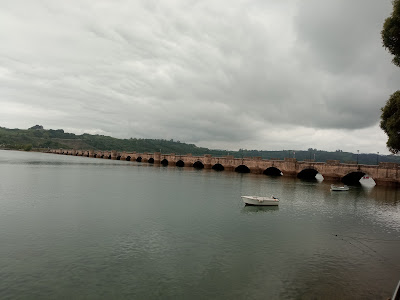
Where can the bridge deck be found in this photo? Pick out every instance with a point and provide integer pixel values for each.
(383, 174)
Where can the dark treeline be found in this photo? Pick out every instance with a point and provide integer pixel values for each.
(38, 138)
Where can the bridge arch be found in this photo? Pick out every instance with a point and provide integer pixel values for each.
(128, 158)
(164, 162)
(180, 163)
(151, 160)
(272, 171)
(308, 173)
(353, 178)
(109, 157)
(119, 157)
(242, 169)
(198, 165)
(218, 167)
(139, 159)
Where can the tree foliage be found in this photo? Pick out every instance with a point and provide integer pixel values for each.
(390, 118)
(391, 33)
(390, 122)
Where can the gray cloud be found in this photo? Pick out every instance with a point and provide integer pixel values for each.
(222, 74)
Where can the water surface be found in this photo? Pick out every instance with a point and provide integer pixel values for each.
(84, 228)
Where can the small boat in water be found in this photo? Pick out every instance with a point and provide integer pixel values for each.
(339, 188)
(257, 200)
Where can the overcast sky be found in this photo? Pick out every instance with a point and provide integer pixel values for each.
(252, 74)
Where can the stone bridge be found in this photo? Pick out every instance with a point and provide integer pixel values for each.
(332, 170)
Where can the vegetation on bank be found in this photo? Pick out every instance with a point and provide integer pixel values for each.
(390, 117)
(37, 138)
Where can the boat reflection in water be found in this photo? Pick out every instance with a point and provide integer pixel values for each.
(250, 209)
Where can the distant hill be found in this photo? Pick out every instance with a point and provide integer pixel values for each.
(40, 139)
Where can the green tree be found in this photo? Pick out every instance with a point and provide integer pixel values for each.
(390, 122)
(391, 33)
(390, 118)
(28, 147)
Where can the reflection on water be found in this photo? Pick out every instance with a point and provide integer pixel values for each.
(249, 209)
(384, 195)
(77, 227)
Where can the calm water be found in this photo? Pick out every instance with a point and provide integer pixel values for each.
(84, 228)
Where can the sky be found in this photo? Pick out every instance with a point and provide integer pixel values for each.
(250, 74)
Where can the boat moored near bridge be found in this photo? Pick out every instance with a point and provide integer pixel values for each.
(260, 201)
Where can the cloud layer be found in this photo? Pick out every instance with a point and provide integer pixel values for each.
(222, 74)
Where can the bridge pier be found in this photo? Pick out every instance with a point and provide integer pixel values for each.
(123, 155)
(207, 161)
(289, 174)
(332, 177)
(255, 170)
(144, 157)
(289, 167)
(157, 158)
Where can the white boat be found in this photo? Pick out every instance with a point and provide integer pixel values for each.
(339, 188)
(257, 200)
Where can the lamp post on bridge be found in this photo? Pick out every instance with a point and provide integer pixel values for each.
(377, 159)
(358, 151)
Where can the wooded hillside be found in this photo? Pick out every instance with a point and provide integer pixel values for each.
(37, 138)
